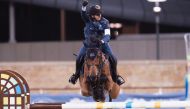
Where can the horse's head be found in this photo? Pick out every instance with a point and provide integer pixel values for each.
(94, 63)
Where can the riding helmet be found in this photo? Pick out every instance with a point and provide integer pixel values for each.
(95, 10)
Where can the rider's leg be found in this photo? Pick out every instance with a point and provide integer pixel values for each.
(113, 61)
(79, 63)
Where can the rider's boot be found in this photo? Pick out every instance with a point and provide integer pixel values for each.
(76, 75)
(116, 78)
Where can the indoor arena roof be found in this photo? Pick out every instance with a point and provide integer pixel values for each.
(174, 12)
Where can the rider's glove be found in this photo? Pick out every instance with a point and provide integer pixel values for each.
(102, 41)
(85, 3)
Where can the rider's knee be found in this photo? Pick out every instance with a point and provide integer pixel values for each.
(80, 58)
(113, 59)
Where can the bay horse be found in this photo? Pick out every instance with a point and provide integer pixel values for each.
(96, 80)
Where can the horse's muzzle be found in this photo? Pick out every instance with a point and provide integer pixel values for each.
(99, 95)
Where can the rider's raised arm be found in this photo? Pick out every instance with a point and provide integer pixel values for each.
(83, 11)
(107, 33)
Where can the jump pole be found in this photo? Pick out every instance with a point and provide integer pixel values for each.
(187, 77)
(117, 105)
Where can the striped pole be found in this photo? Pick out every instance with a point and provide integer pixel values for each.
(115, 105)
(124, 105)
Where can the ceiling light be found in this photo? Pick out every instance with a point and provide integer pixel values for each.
(157, 9)
(156, 0)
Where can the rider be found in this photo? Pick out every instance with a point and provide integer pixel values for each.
(96, 25)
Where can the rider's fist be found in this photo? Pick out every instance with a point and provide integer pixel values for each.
(85, 3)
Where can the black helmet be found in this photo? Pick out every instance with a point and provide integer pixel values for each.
(95, 10)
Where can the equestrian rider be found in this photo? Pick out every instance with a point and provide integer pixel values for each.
(95, 24)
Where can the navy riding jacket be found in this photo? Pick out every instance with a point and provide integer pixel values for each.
(96, 28)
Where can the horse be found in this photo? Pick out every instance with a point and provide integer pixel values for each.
(96, 79)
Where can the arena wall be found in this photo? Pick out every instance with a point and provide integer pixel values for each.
(130, 47)
(154, 76)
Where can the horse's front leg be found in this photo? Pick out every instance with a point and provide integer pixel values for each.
(112, 87)
(109, 83)
(115, 91)
(84, 87)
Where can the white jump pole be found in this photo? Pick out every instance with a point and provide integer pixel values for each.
(124, 105)
(187, 78)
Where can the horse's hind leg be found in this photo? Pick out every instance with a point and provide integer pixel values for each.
(115, 91)
(110, 98)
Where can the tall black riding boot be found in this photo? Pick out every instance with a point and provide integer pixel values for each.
(76, 75)
(116, 78)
